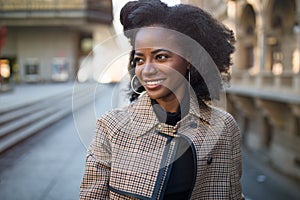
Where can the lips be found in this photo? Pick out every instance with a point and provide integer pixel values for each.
(152, 84)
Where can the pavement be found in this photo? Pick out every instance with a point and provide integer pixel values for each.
(22, 94)
(49, 164)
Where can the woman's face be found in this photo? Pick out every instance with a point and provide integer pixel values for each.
(160, 70)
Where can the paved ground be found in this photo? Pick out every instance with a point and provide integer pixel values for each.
(50, 164)
(27, 93)
(262, 182)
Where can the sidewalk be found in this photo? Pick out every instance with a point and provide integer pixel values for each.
(261, 181)
(30, 108)
(24, 94)
(50, 165)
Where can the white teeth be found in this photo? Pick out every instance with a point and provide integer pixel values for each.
(154, 82)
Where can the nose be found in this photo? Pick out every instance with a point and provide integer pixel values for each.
(149, 69)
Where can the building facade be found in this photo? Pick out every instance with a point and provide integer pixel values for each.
(46, 40)
(264, 95)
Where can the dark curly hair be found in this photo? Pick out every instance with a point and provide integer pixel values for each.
(217, 40)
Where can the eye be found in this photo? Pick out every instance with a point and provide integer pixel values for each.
(162, 57)
(138, 61)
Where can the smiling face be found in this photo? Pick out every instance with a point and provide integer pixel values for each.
(160, 70)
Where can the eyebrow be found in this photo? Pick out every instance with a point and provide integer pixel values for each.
(154, 52)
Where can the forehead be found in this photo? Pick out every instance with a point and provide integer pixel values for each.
(156, 37)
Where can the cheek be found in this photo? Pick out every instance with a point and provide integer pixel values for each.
(181, 67)
(137, 71)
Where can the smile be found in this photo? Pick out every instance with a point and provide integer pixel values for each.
(154, 82)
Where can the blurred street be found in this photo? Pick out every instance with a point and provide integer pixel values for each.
(50, 164)
(261, 182)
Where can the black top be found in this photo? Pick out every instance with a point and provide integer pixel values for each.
(180, 183)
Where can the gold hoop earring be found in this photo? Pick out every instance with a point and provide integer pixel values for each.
(131, 84)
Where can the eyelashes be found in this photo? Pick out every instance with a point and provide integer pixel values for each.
(138, 61)
(159, 58)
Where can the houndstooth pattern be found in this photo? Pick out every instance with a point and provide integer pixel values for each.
(130, 155)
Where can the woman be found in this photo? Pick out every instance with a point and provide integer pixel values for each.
(169, 144)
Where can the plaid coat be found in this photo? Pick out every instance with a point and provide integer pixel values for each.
(132, 153)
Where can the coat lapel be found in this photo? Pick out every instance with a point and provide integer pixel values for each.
(142, 116)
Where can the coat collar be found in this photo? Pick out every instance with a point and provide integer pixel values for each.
(143, 117)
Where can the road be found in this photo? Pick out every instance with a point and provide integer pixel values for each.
(261, 182)
(50, 164)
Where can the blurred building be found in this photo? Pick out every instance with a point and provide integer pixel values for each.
(265, 89)
(47, 40)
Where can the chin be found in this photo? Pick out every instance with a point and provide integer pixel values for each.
(159, 94)
(154, 94)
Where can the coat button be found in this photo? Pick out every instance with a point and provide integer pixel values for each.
(209, 160)
(194, 125)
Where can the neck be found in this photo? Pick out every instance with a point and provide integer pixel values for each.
(171, 102)
(169, 105)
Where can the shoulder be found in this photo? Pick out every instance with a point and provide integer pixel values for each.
(118, 117)
(114, 119)
(228, 121)
(219, 115)
(223, 114)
